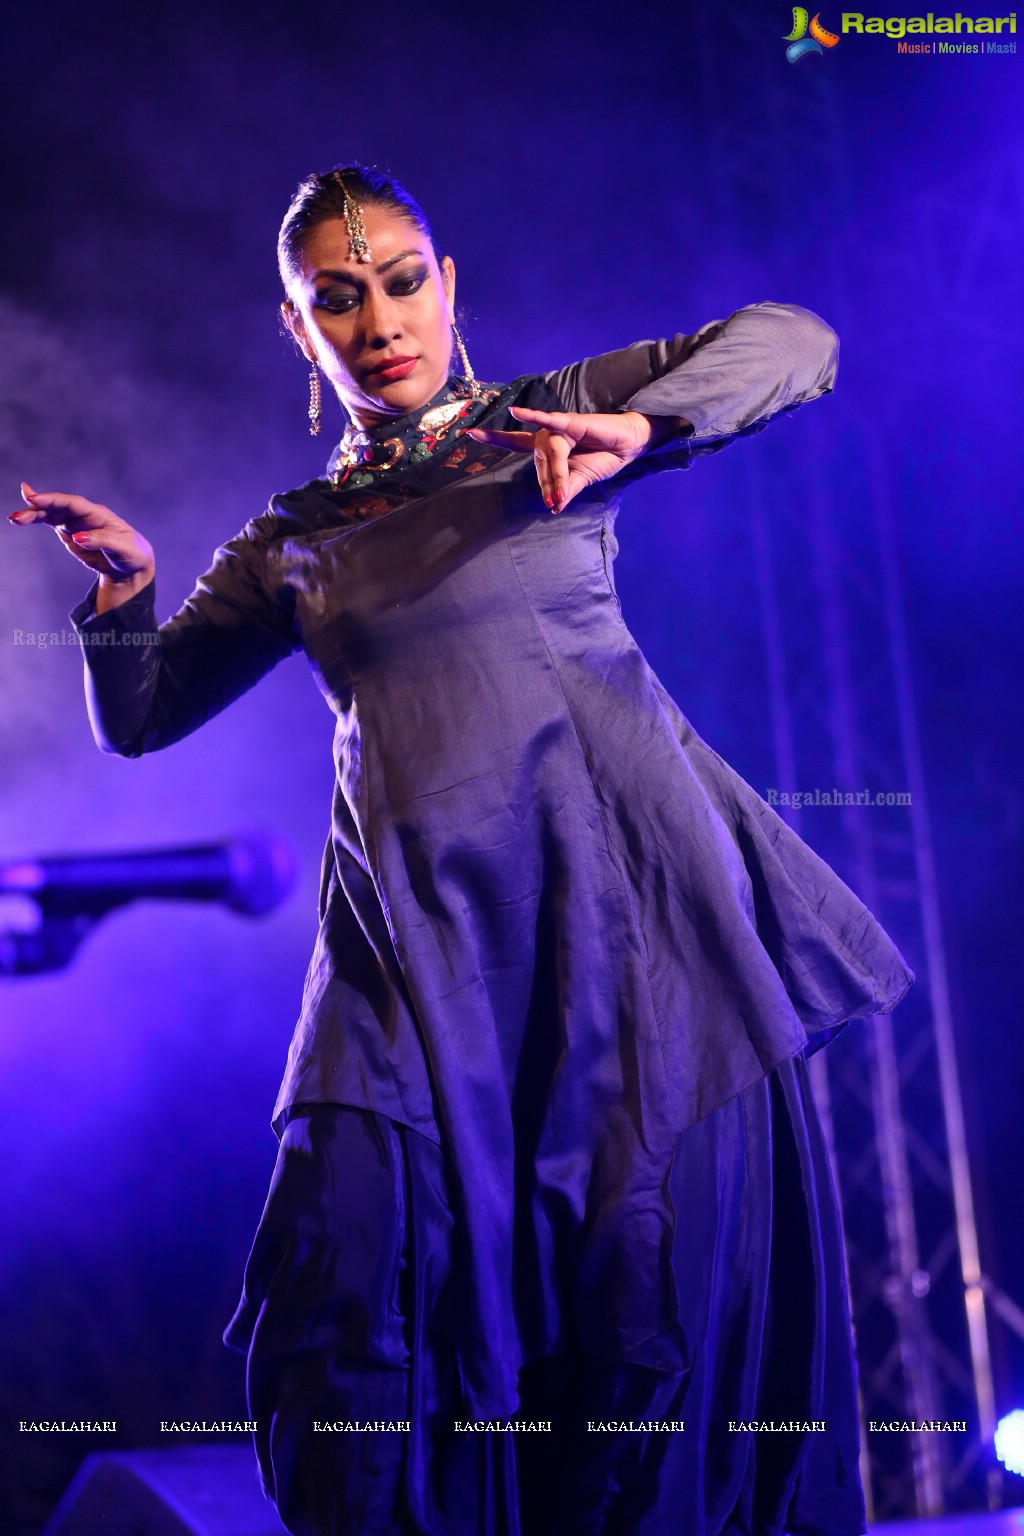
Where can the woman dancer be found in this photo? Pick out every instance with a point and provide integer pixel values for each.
(551, 1224)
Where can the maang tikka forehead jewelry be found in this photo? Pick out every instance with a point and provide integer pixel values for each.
(358, 248)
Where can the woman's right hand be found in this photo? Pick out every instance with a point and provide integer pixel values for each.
(120, 556)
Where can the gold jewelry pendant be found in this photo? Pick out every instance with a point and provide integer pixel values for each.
(396, 449)
(441, 417)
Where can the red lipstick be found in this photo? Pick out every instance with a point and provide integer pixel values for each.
(394, 368)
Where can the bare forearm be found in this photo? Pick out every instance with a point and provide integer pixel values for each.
(112, 593)
(661, 428)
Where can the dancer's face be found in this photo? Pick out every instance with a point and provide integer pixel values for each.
(351, 316)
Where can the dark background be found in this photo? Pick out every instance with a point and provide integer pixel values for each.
(599, 174)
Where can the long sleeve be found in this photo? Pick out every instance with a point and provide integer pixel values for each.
(149, 685)
(729, 378)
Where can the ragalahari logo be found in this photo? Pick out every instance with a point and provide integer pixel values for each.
(798, 40)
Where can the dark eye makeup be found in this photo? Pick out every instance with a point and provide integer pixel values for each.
(341, 300)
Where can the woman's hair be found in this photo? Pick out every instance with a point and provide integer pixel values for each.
(322, 197)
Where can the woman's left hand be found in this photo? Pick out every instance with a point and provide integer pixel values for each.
(573, 449)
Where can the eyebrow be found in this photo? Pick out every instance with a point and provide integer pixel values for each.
(345, 276)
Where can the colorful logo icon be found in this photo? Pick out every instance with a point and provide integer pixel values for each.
(798, 40)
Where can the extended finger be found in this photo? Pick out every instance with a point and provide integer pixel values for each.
(575, 482)
(55, 507)
(556, 471)
(520, 442)
(586, 429)
(556, 421)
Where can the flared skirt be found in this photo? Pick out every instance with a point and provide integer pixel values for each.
(349, 1313)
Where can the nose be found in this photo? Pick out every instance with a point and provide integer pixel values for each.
(381, 319)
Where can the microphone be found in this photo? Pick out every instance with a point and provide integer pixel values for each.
(251, 873)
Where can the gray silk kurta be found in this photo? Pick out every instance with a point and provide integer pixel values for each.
(555, 928)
